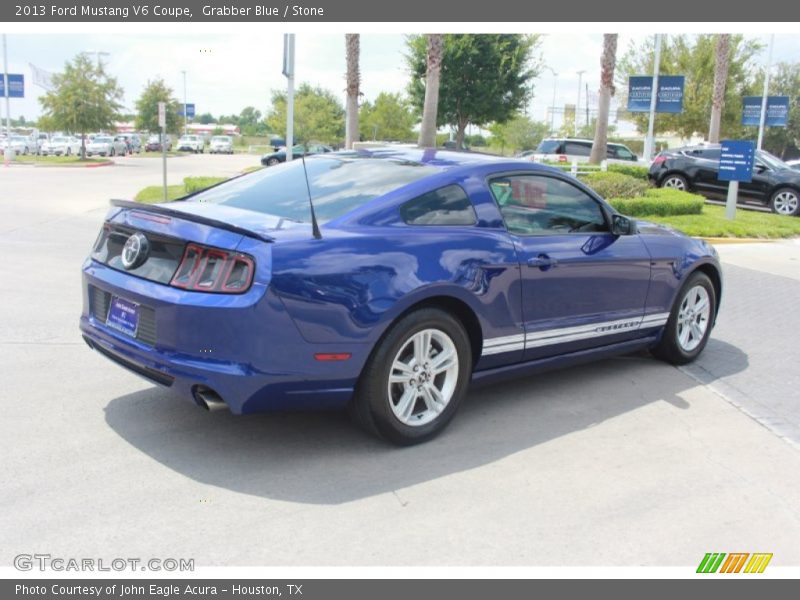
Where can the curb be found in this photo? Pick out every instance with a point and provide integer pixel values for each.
(727, 240)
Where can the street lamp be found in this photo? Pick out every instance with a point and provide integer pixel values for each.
(185, 115)
(578, 103)
(553, 105)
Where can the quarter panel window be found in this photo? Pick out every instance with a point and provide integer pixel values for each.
(577, 149)
(540, 205)
(445, 206)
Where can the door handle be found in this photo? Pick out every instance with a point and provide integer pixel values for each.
(542, 262)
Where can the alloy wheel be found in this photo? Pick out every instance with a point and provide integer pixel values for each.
(693, 318)
(785, 203)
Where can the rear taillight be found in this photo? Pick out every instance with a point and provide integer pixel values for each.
(659, 159)
(205, 269)
(562, 158)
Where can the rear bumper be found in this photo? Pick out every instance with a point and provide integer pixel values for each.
(245, 348)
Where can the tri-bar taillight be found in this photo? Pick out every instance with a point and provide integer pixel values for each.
(204, 269)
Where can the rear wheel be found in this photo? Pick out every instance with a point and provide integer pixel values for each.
(785, 201)
(415, 379)
(675, 181)
(690, 321)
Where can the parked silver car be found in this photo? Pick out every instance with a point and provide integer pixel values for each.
(221, 144)
(61, 145)
(107, 145)
(18, 143)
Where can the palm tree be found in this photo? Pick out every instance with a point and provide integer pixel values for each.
(352, 43)
(427, 131)
(723, 57)
(608, 62)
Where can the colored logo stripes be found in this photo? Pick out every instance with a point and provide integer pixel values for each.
(734, 562)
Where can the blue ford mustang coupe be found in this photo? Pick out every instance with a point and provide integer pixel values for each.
(419, 272)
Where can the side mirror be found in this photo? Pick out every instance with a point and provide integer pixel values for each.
(622, 225)
(761, 168)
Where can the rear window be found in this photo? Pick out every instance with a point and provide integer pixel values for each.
(548, 146)
(338, 185)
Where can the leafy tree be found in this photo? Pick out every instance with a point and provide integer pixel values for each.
(785, 81)
(693, 57)
(519, 133)
(318, 115)
(249, 121)
(390, 118)
(205, 118)
(83, 98)
(147, 108)
(484, 78)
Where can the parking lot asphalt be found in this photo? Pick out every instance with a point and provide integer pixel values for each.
(623, 462)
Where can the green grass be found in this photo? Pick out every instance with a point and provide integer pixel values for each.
(748, 224)
(60, 161)
(252, 169)
(155, 193)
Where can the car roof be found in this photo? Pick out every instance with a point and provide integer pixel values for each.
(444, 159)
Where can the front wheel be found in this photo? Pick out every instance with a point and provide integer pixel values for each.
(272, 161)
(675, 181)
(690, 321)
(415, 379)
(785, 202)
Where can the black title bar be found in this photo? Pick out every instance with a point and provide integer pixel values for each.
(462, 11)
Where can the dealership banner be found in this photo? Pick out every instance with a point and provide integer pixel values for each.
(342, 11)
(777, 111)
(670, 93)
(16, 86)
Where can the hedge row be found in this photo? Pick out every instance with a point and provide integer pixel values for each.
(615, 185)
(660, 202)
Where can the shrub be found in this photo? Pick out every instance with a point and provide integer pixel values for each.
(661, 202)
(638, 171)
(615, 185)
(196, 184)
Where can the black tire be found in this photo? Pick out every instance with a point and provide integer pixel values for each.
(112, 153)
(69, 152)
(669, 347)
(676, 181)
(272, 161)
(371, 406)
(785, 201)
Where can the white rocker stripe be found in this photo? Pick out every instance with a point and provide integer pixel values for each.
(537, 339)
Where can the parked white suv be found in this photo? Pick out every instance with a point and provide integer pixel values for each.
(191, 143)
(568, 150)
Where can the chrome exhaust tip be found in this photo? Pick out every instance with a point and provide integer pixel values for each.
(209, 399)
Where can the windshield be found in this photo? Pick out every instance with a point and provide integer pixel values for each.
(17, 138)
(58, 140)
(102, 140)
(220, 139)
(548, 146)
(773, 162)
(338, 185)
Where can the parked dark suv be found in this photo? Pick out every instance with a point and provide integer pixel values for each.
(695, 168)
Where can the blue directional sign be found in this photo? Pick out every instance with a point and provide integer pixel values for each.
(736, 160)
(670, 93)
(16, 85)
(777, 111)
(189, 110)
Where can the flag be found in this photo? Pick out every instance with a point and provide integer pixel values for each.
(42, 78)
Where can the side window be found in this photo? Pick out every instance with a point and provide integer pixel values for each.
(445, 206)
(540, 205)
(623, 153)
(577, 149)
(712, 154)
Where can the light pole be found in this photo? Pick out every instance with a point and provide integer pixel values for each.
(185, 116)
(5, 87)
(578, 104)
(553, 105)
(763, 118)
(649, 142)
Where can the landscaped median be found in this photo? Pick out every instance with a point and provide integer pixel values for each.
(60, 161)
(684, 211)
(630, 195)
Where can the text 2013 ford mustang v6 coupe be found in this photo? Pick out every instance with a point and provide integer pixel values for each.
(418, 272)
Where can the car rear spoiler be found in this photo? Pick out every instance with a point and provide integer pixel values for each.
(169, 212)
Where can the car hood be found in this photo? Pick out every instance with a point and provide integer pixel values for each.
(791, 176)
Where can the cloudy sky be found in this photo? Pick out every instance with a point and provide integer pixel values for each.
(226, 72)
